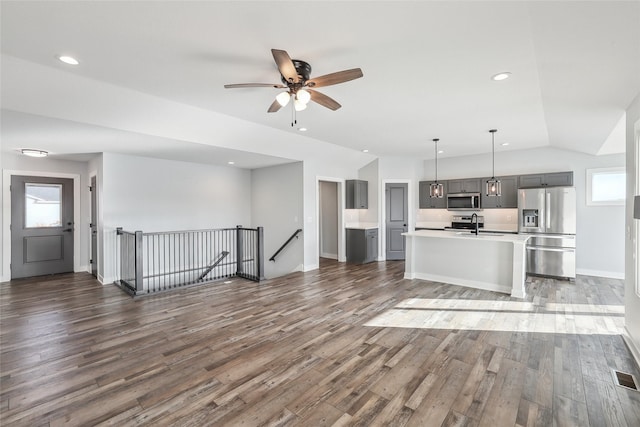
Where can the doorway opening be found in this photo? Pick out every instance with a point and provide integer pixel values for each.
(328, 220)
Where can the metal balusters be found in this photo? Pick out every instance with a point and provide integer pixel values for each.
(153, 262)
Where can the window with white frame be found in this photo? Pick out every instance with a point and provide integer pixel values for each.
(606, 186)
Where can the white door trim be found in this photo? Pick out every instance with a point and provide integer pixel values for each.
(341, 232)
(6, 216)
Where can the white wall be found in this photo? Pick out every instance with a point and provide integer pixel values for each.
(277, 205)
(600, 229)
(370, 173)
(145, 194)
(328, 219)
(48, 165)
(631, 298)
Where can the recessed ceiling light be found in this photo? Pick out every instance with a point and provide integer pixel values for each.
(440, 151)
(34, 153)
(365, 151)
(68, 60)
(302, 129)
(231, 163)
(501, 76)
(504, 144)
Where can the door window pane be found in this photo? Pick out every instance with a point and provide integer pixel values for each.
(43, 206)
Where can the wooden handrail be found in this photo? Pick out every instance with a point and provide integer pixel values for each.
(295, 234)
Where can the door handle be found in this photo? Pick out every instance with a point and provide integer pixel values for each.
(68, 229)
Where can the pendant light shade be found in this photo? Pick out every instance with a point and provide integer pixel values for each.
(493, 185)
(436, 189)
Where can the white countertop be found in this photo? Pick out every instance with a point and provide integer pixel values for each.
(361, 225)
(465, 234)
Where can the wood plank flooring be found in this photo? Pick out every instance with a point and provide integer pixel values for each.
(342, 345)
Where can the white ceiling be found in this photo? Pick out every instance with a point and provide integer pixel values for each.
(427, 72)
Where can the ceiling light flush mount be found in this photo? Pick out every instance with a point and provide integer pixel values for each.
(34, 153)
(70, 60)
(501, 76)
(494, 186)
(436, 189)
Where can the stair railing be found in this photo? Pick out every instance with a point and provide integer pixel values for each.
(294, 235)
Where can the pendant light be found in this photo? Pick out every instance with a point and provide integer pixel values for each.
(494, 186)
(436, 189)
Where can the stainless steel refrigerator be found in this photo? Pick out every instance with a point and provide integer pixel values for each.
(549, 215)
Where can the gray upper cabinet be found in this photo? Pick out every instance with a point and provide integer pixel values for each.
(427, 202)
(555, 179)
(508, 198)
(472, 185)
(357, 194)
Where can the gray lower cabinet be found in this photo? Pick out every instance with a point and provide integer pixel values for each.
(427, 202)
(357, 194)
(362, 245)
(472, 185)
(554, 179)
(508, 198)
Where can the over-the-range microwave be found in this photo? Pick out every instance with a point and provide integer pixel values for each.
(463, 201)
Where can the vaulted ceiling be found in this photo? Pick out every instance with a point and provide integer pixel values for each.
(575, 67)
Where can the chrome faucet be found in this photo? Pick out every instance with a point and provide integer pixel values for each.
(475, 217)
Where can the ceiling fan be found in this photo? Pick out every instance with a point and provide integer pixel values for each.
(295, 75)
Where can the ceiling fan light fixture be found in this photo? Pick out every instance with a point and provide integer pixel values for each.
(283, 98)
(298, 105)
(303, 96)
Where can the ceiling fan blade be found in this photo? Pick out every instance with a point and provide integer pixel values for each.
(241, 85)
(335, 78)
(275, 106)
(285, 65)
(324, 100)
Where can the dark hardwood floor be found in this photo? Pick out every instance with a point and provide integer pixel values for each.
(342, 345)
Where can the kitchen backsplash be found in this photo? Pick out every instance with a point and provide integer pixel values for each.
(494, 219)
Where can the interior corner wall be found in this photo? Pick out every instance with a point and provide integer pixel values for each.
(370, 173)
(600, 233)
(149, 195)
(277, 205)
(631, 298)
(17, 162)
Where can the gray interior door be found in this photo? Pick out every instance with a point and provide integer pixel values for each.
(397, 218)
(41, 226)
(94, 228)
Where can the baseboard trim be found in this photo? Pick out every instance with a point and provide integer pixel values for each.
(460, 282)
(601, 273)
(635, 351)
(310, 267)
(330, 256)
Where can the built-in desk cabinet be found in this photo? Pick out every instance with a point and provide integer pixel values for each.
(555, 179)
(427, 202)
(471, 185)
(357, 194)
(362, 245)
(508, 198)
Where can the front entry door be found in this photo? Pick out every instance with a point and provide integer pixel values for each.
(41, 226)
(397, 218)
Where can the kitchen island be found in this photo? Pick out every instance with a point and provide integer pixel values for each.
(490, 261)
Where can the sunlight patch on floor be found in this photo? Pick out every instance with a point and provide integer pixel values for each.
(513, 316)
